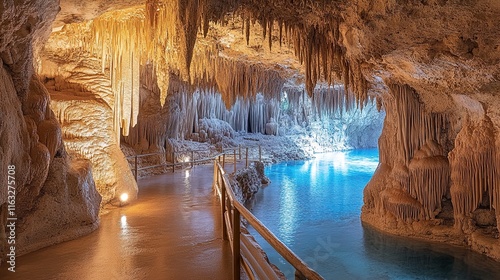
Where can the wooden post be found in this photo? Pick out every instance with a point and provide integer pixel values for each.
(299, 275)
(223, 160)
(260, 153)
(214, 182)
(223, 205)
(234, 155)
(246, 161)
(173, 161)
(236, 244)
(239, 152)
(192, 159)
(135, 175)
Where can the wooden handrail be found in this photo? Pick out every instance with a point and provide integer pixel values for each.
(164, 153)
(303, 271)
(192, 161)
(232, 210)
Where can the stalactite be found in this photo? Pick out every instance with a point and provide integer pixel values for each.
(329, 101)
(117, 39)
(270, 38)
(280, 26)
(429, 181)
(264, 27)
(496, 186)
(418, 158)
(252, 113)
(473, 168)
(188, 14)
(163, 33)
(317, 48)
(247, 29)
(235, 78)
(416, 125)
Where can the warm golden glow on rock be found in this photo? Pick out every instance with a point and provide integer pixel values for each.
(109, 66)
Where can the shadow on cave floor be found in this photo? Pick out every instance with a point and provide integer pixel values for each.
(173, 231)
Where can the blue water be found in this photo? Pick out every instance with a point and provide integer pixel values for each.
(314, 207)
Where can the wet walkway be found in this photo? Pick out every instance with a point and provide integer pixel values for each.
(173, 231)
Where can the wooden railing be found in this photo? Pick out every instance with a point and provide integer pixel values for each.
(228, 155)
(174, 164)
(243, 252)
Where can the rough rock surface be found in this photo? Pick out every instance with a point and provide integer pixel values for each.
(84, 104)
(68, 208)
(432, 65)
(247, 181)
(31, 141)
(96, 143)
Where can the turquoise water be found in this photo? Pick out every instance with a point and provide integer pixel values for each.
(314, 208)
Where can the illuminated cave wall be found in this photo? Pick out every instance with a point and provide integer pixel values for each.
(438, 171)
(433, 66)
(119, 66)
(55, 196)
(437, 177)
(330, 117)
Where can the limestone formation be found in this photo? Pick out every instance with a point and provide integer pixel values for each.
(142, 72)
(55, 198)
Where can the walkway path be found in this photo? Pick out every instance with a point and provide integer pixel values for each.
(173, 231)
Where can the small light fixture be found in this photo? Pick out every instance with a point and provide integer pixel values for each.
(123, 197)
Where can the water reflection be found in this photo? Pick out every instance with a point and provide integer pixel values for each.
(123, 221)
(339, 162)
(425, 259)
(288, 211)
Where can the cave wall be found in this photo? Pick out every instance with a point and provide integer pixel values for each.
(55, 197)
(433, 65)
(88, 110)
(437, 178)
(436, 68)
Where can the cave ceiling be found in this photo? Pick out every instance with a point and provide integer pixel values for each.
(439, 47)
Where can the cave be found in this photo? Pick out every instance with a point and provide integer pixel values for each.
(88, 85)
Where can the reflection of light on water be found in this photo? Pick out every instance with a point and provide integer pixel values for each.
(124, 225)
(314, 170)
(305, 167)
(339, 162)
(365, 164)
(342, 161)
(288, 213)
(187, 182)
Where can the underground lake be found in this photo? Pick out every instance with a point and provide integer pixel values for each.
(314, 207)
